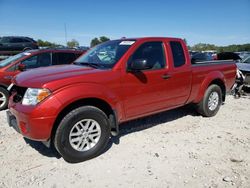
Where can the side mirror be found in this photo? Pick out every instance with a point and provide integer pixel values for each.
(139, 64)
(21, 67)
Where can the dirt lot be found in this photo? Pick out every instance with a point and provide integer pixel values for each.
(172, 149)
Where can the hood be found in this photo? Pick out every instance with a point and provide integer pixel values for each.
(59, 75)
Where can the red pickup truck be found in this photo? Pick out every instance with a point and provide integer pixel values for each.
(78, 107)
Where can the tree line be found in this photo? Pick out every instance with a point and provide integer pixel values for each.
(229, 48)
(197, 47)
(43, 43)
(72, 43)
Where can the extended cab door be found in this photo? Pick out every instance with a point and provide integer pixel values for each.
(144, 91)
(179, 86)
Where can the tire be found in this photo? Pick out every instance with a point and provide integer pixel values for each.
(74, 138)
(211, 102)
(4, 98)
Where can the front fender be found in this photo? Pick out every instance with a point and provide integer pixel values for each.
(72, 93)
(209, 78)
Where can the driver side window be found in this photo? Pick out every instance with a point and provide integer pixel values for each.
(31, 62)
(41, 60)
(153, 53)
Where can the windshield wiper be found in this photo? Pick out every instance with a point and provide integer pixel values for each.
(93, 65)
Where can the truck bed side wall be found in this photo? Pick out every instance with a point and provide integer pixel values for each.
(204, 75)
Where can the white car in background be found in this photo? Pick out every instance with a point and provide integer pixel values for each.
(243, 54)
(244, 67)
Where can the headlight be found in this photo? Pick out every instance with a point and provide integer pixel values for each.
(33, 96)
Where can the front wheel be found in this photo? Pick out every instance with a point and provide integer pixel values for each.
(211, 102)
(82, 134)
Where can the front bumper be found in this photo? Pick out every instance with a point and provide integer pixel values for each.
(12, 121)
(33, 122)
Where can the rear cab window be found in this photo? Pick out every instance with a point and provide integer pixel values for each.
(177, 54)
(44, 60)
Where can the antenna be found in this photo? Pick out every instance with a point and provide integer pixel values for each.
(65, 31)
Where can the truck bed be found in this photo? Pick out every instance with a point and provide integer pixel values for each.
(203, 71)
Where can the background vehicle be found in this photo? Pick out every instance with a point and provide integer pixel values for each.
(237, 89)
(243, 54)
(82, 48)
(200, 57)
(29, 60)
(77, 107)
(244, 67)
(191, 53)
(228, 56)
(11, 45)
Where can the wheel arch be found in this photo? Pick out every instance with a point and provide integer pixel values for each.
(3, 86)
(215, 77)
(221, 84)
(96, 102)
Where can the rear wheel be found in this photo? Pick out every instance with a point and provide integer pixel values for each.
(211, 102)
(4, 98)
(82, 134)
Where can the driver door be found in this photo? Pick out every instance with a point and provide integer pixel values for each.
(144, 91)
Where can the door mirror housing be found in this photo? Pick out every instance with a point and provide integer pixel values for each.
(139, 64)
(21, 67)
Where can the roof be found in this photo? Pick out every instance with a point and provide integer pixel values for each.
(150, 38)
(15, 37)
(56, 50)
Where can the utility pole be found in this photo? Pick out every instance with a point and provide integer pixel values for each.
(65, 32)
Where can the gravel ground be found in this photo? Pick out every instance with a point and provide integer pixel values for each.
(173, 149)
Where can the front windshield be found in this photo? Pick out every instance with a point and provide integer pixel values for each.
(105, 55)
(11, 59)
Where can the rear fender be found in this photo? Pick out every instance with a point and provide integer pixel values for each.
(212, 76)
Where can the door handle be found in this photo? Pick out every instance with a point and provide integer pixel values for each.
(166, 76)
